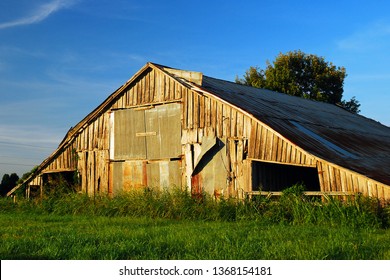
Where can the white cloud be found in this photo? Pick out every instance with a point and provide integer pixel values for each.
(29, 136)
(24, 146)
(39, 14)
(372, 37)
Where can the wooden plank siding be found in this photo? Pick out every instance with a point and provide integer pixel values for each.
(65, 161)
(338, 179)
(87, 154)
(151, 88)
(205, 117)
(209, 115)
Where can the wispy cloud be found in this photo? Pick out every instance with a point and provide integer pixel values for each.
(39, 14)
(24, 146)
(372, 37)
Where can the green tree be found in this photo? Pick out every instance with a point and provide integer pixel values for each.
(305, 75)
(8, 182)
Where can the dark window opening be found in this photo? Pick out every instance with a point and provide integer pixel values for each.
(60, 182)
(277, 177)
(35, 191)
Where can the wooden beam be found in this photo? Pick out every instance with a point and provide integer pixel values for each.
(308, 193)
(191, 76)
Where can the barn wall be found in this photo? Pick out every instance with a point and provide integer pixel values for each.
(66, 160)
(151, 87)
(215, 138)
(337, 179)
(92, 144)
(244, 141)
(37, 181)
(86, 153)
(145, 148)
(268, 146)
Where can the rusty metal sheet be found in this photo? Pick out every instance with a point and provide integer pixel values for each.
(212, 171)
(127, 145)
(163, 123)
(153, 133)
(164, 174)
(128, 175)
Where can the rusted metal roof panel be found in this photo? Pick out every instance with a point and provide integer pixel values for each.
(324, 130)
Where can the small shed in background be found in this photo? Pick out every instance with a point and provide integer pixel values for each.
(168, 127)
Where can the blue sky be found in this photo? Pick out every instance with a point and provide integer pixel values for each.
(59, 59)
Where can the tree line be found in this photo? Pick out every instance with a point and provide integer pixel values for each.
(8, 182)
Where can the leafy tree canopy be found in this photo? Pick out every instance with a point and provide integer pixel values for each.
(305, 75)
(8, 182)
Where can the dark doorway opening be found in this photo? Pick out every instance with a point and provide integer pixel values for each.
(277, 177)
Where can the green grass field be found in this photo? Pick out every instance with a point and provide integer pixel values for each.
(27, 236)
(166, 226)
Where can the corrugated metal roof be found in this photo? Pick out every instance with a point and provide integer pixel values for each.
(324, 130)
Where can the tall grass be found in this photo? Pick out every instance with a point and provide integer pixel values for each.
(172, 224)
(292, 208)
(33, 236)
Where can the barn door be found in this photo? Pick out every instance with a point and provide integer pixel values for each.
(126, 143)
(151, 134)
(163, 132)
(145, 147)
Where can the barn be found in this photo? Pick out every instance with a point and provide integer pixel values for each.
(168, 127)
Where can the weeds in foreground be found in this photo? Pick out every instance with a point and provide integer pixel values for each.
(293, 207)
(171, 224)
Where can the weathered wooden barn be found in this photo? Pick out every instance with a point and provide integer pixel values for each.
(168, 127)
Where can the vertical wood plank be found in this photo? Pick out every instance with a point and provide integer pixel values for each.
(275, 145)
(260, 138)
(252, 142)
(190, 109)
(172, 89)
(152, 90)
(214, 115)
(263, 143)
(208, 112)
(185, 110)
(143, 89)
(139, 90)
(196, 110)
(337, 179)
(233, 128)
(219, 120)
(128, 97)
(147, 88)
(161, 96)
(240, 125)
(201, 111)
